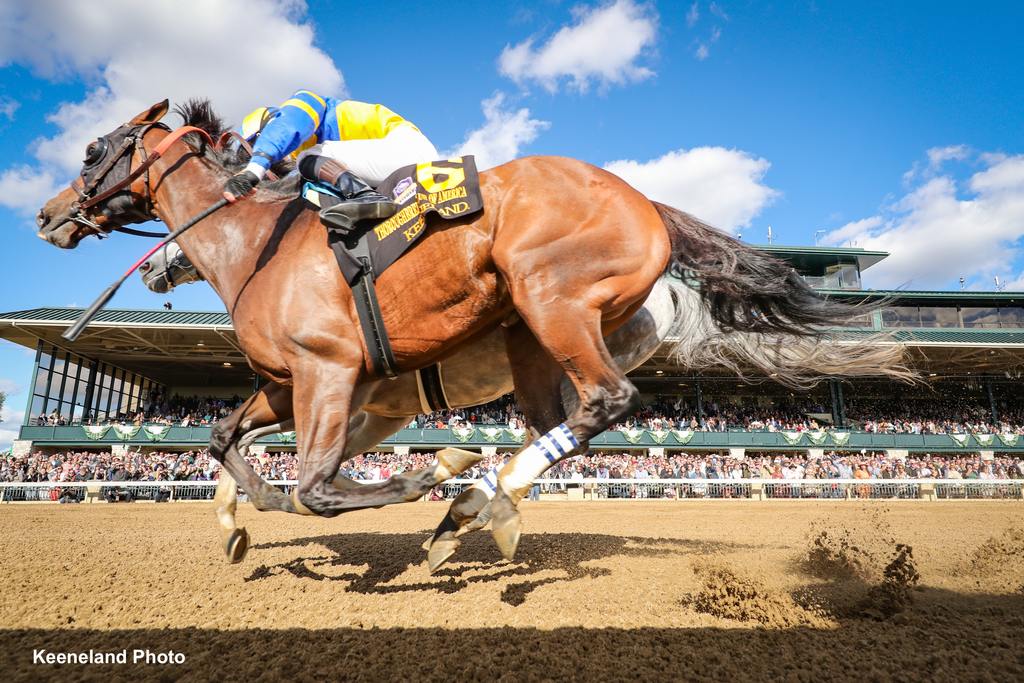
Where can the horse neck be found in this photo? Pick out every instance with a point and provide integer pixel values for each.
(224, 245)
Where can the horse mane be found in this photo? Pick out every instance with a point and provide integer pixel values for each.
(199, 112)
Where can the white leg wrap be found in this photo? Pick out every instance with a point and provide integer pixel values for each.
(489, 484)
(517, 476)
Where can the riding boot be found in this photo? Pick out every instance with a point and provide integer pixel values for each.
(359, 200)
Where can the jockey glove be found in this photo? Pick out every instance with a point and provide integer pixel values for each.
(240, 185)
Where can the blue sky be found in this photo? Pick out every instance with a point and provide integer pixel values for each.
(886, 125)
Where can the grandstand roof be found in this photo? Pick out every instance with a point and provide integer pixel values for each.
(125, 316)
(812, 259)
(172, 347)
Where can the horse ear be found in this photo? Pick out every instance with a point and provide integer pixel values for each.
(151, 115)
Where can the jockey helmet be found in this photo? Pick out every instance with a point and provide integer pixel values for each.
(254, 122)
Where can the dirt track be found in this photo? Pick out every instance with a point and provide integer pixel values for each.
(724, 590)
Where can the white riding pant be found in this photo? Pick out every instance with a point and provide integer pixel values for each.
(375, 160)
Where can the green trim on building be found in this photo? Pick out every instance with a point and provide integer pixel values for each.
(198, 437)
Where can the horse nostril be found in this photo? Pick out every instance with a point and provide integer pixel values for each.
(42, 219)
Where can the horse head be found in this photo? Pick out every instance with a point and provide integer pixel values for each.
(168, 268)
(104, 196)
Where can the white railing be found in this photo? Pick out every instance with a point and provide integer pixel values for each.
(571, 489)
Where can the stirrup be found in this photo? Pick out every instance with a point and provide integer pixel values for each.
(344, 215)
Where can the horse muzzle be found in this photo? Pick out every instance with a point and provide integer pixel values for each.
(59, 231)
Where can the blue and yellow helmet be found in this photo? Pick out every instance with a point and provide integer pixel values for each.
(255, 120)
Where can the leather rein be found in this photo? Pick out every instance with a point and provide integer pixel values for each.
(131, 143)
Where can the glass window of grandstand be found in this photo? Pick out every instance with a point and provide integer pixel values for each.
(939, 316)
(1011, 316)
(978, 317)
(842, 276)
(902, 316)
(69, 389)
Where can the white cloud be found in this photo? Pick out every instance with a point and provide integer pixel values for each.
(721, 186)
(944, 229)
(239, 53)
(704, 47)
(24, 188)
(10, 425)
(937, 156)
(717, 10)
(693, 15)
(503, 134)
(10, 419)
(602, 46)
(8, 107)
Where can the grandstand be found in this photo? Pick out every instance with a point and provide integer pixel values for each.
(968, 345)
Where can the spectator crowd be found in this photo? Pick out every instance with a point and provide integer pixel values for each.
(198, 466)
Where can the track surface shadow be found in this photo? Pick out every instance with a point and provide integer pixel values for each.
(390, 555)
(956, 638)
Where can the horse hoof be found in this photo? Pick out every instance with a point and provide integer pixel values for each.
(506, 524)
(454, 461)
(237, 545)
(440, 550)
(506, 532)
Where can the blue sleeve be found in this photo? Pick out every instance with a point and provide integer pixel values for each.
(298, 119)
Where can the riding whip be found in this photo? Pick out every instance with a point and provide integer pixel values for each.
(73, 332)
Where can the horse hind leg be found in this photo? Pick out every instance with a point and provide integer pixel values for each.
(537, 379)
(605, 396)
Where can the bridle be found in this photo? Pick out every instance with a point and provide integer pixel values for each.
(90, 195)
(87, 189)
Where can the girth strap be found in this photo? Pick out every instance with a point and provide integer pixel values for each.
(370, 319)
(431, 388)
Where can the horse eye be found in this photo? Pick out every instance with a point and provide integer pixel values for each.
(93, 152)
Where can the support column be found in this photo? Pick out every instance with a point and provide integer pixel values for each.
(700, 400)
(992, 402)
(835, 390)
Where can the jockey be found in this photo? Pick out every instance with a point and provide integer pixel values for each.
(347, 144)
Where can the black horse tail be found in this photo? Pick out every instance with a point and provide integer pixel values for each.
(761, 313)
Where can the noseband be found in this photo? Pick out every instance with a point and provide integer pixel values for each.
(87, 189)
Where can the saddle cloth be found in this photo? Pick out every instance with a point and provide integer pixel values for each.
(448, 188)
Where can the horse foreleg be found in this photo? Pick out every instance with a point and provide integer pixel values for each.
(367, 430)
(261, 414)
(537, 379)
(235, 541)
(322, 425)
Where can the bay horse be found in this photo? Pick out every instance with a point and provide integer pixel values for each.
(563, 254)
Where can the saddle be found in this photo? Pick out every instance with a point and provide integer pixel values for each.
(449, 189)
